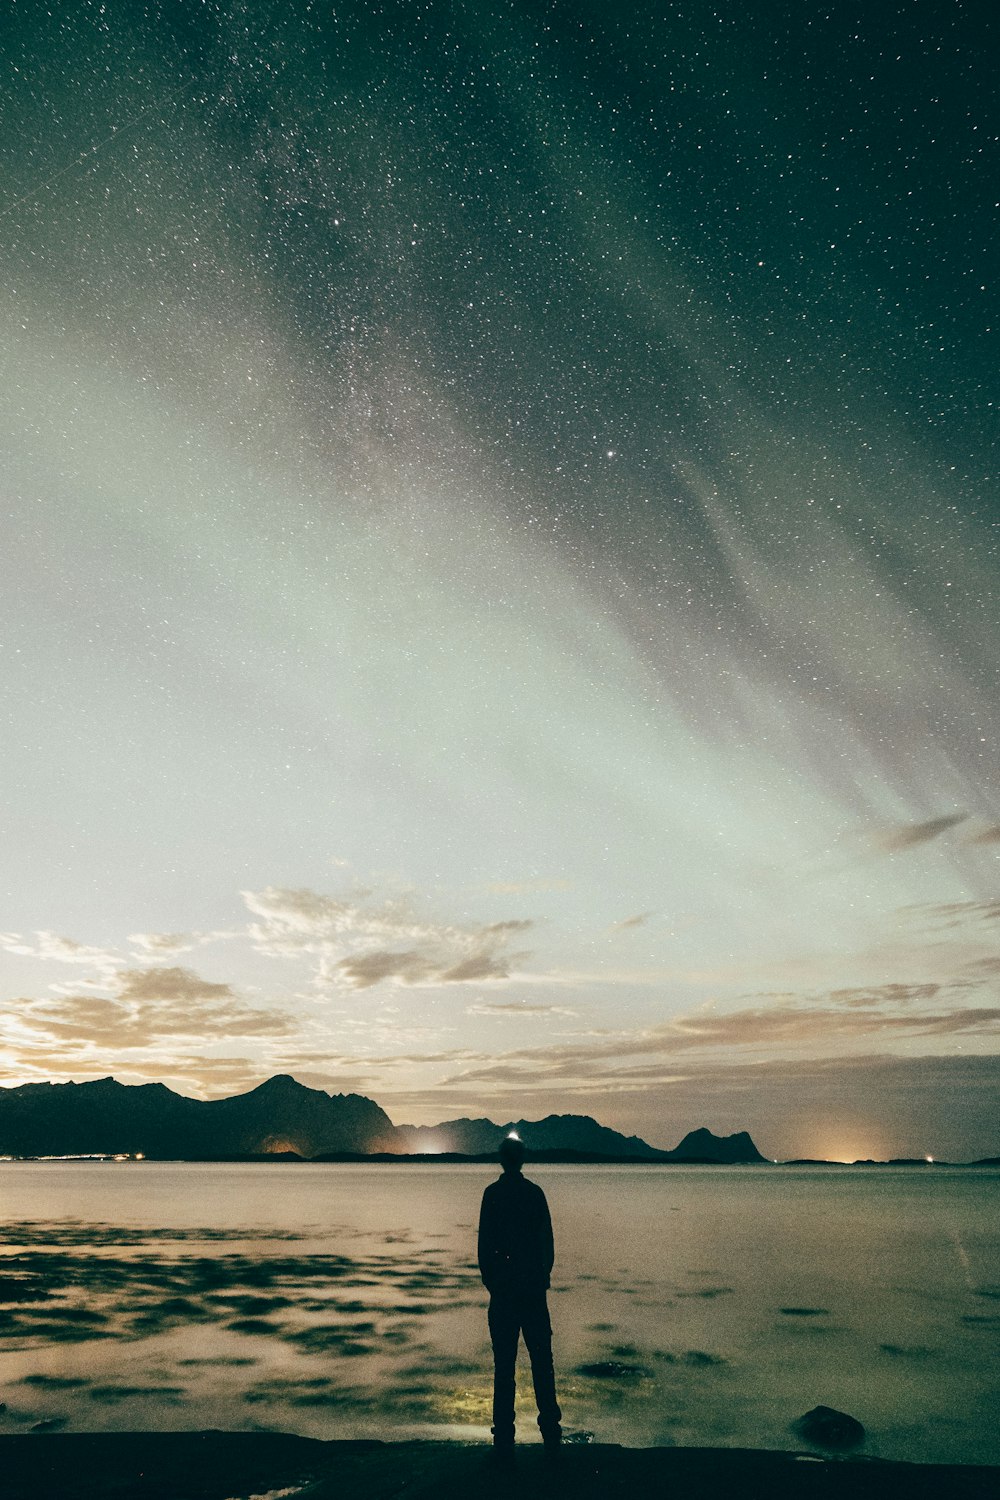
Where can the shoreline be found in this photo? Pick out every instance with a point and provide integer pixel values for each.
(237, 1465)
(536, 1158)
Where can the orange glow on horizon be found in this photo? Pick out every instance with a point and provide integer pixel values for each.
(834, 1142)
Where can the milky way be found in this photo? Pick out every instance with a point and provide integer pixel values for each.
(511, 490)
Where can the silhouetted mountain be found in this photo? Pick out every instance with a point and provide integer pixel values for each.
(282, 1115)
(576, 1133)
(554, 1133)
(53, 1119)
(702, 1145)
(70, 1119)
(284, 1118)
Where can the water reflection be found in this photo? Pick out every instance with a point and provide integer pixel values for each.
(711, 1325)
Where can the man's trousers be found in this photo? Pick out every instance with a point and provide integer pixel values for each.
(511, 1315)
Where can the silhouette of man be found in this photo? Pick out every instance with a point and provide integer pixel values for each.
(515, 1261)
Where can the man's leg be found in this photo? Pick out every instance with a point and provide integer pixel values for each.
(537, 1329)
(504, 1329)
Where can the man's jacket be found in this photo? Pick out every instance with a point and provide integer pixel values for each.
(515, 1237)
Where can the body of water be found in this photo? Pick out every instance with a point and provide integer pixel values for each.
(691, 1305)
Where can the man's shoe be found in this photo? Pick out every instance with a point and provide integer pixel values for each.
(502, 1457)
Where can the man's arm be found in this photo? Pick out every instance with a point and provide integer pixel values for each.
(487, 1242)
(547, 1242)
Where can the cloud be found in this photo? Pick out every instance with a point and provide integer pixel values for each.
(149, 1006)
(359, 942)
(294, 917)
(777, 1025)
(652, 1056)
(848, 1014)
(169, 984)
(911, 835)
(108, 968)
(884, 994)
(49, 946)
(514, 1009)
(161, 944)
(985, 967)
(362, 970)
(170, 944)
(478, 966)
(956, 913)
(989, 835)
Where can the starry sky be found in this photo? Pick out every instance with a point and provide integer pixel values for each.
(499, 589)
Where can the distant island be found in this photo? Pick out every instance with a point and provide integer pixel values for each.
(284, 1119)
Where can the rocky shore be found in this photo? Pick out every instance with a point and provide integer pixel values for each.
(239, 1465)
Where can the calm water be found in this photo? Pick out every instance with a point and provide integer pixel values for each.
(690, 1305)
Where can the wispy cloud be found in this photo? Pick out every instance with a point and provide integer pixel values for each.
(955, 913)
(359, 941)
(51, 948)
(149, 1006)
(867, 996)
(514, 1010)
(600, 1071)
(152, 945)
(984, 968)
(768, 1027)
(162, 944)
(988, 835)
(839, 1021)
(910, 835)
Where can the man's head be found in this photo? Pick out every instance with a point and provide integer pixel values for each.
(511, 1154)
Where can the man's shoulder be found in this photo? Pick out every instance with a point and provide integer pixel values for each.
(507, 1183)
(506, 1186)
(529, 1190)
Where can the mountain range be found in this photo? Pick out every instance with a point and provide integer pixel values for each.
(284, 1117)
(575, 1133)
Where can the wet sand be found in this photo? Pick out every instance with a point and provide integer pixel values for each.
(238, 1465)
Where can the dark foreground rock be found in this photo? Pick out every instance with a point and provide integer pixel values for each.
(225, 1465)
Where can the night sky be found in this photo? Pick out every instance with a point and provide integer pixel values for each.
(499, 581)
